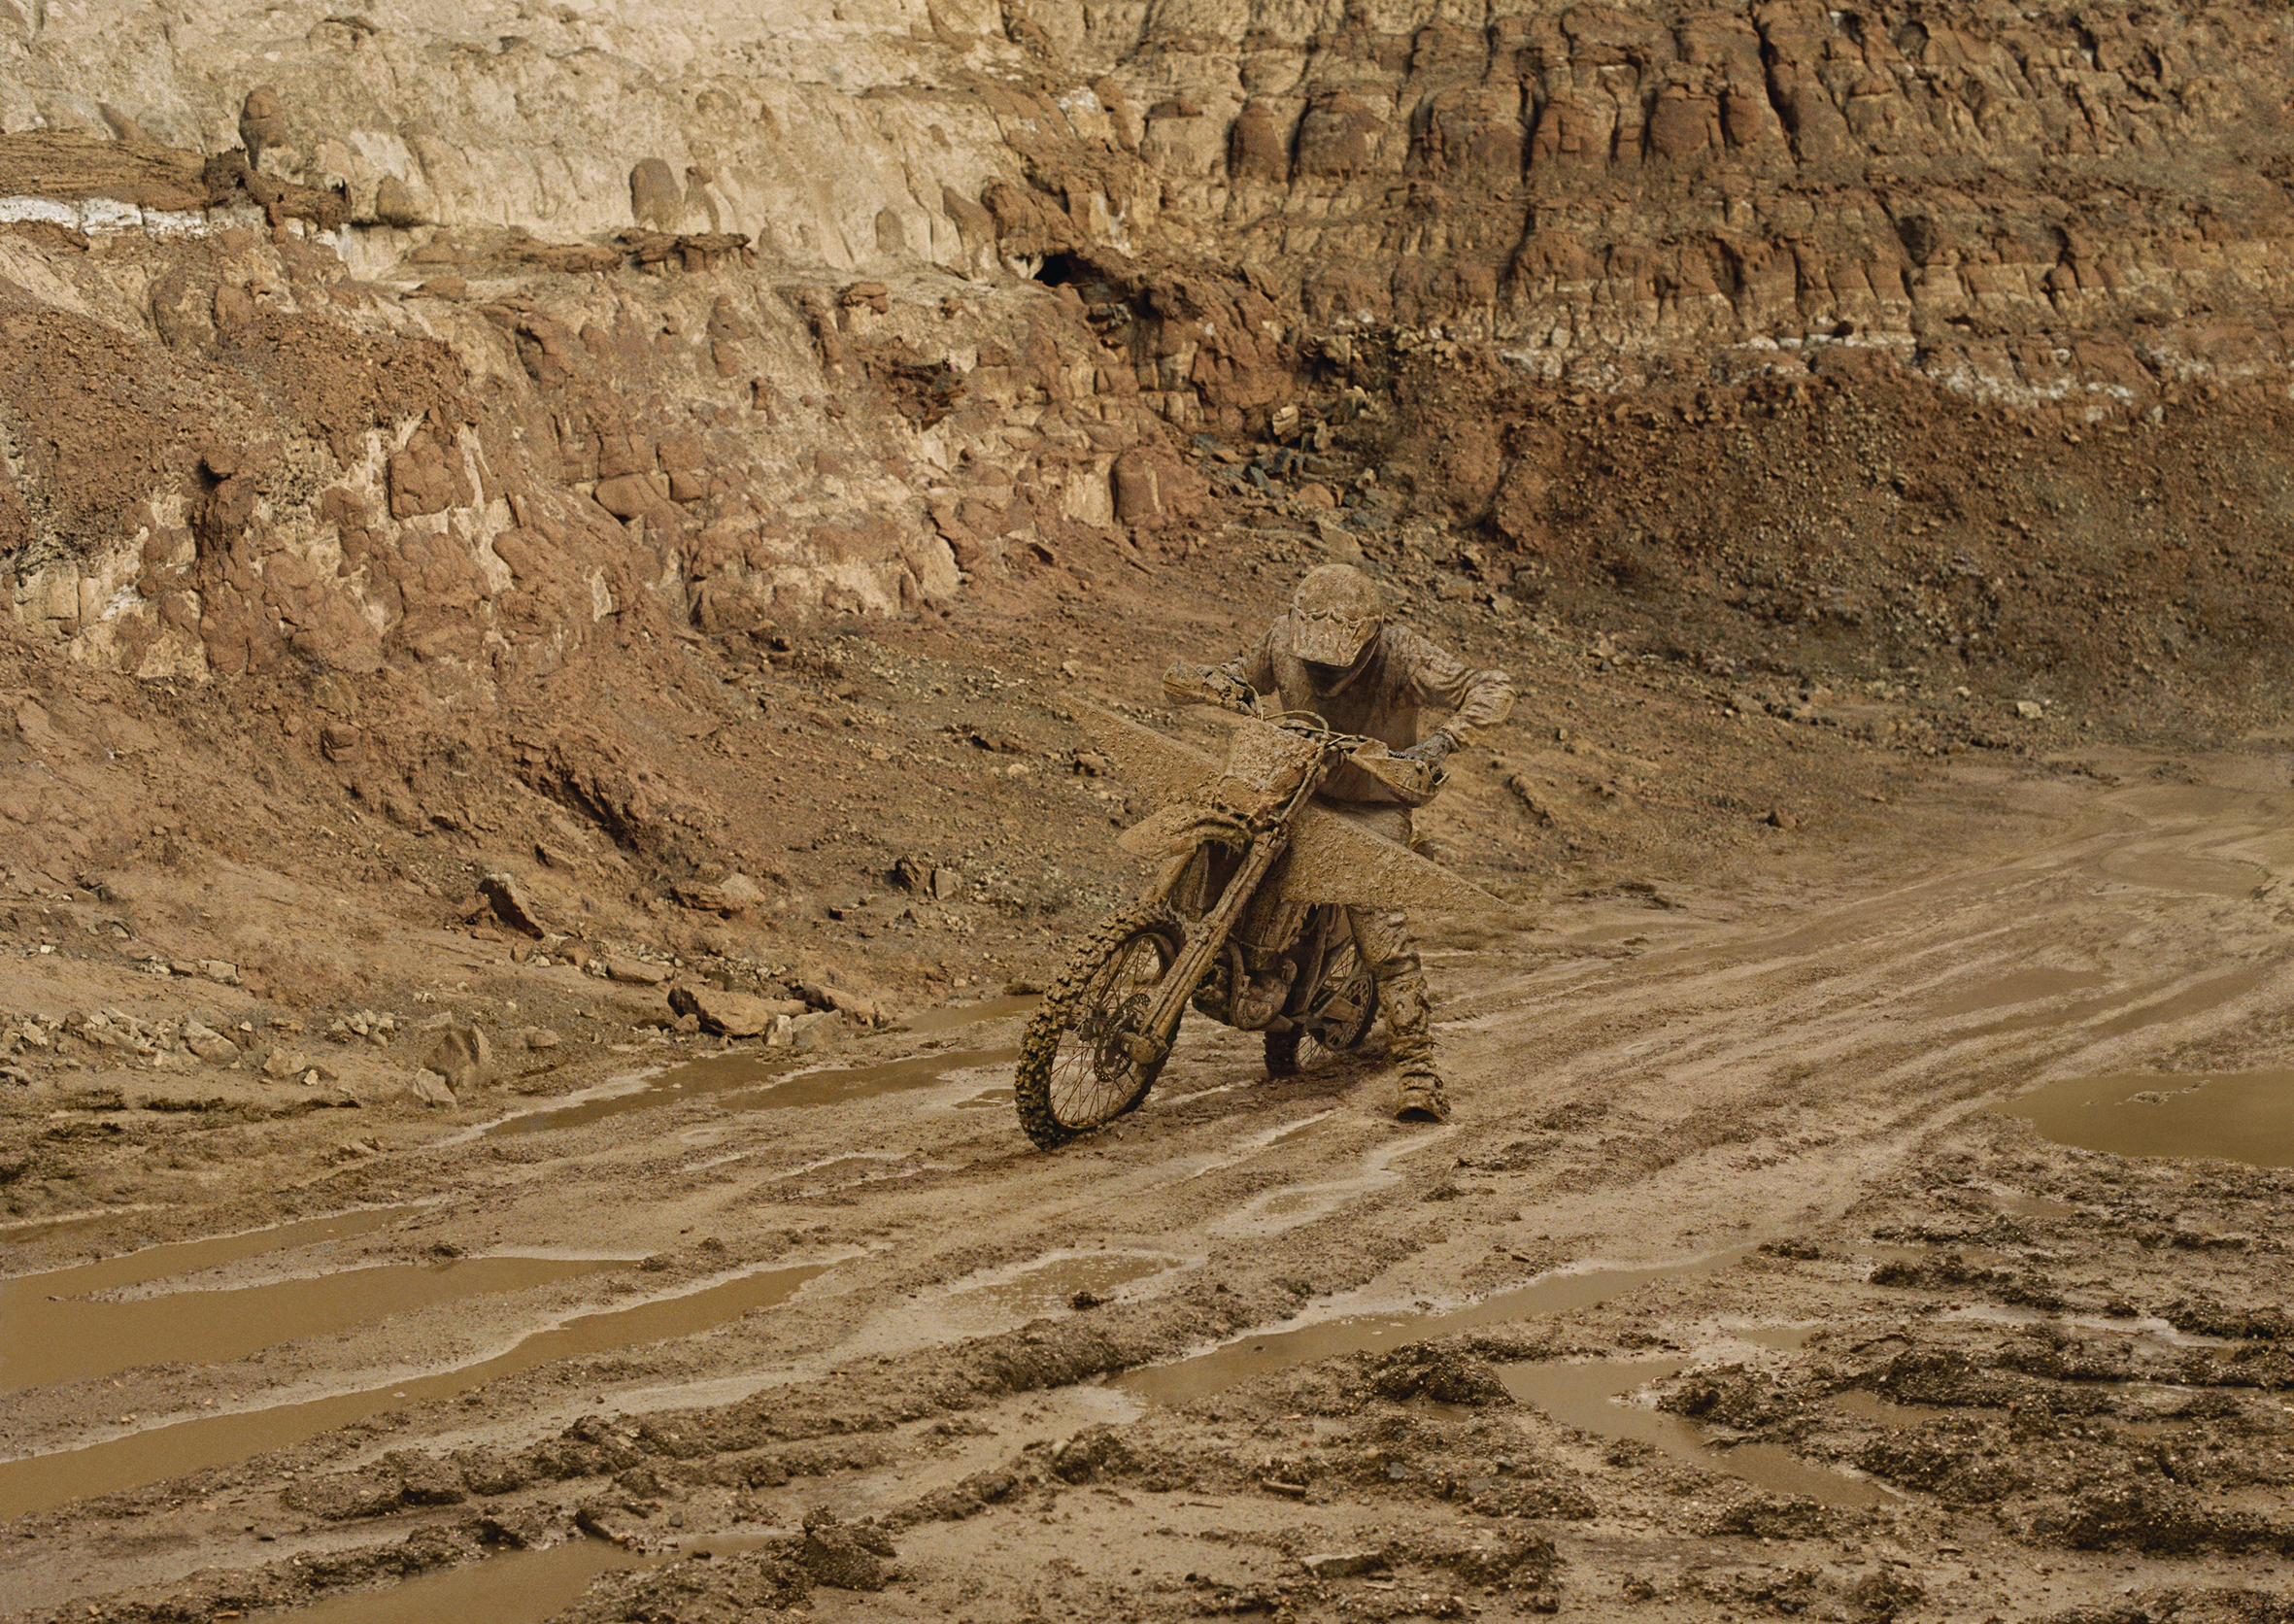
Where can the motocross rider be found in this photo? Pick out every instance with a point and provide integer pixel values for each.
(1336, 656)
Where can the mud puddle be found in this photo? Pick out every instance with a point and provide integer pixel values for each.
(949, 1017)
(1586, 1397)
(2157, 870)
(2228, 1116)
(1187, 1380)
(866, 1082)
(515, 1587)
(757, 1080)
(36, 1482)
(62, 1335)
(184, 1257)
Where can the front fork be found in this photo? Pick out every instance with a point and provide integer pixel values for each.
(1152, 1041)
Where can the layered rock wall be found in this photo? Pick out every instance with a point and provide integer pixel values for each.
(495, 325)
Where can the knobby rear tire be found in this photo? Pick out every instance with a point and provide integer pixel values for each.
(1073, 1073)
(1343, 975)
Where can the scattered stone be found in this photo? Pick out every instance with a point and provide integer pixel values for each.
(461, 1056)
(1342, 1565)
(782, 1034)
(511, 905)
(283, 1062)
(823, 1029)
(946, 882)
(541, 1037)
(431, 1089)
(741, 890)
(604, 1521)
(1781, 819)
(635, 972)
(2031, 710)
(208, 1045)
(734, 1014)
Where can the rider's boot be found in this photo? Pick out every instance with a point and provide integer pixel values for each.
(1409, 1030)
(1266, 988)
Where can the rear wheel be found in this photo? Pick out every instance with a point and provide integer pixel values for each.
(1338, 1014)
(1086, 1059)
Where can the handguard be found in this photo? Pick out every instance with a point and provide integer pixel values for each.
(1184, 683)
(1398, 778)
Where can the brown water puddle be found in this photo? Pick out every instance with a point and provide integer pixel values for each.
(1188, 1379)
(2030, 986)
(514, 1587)
(2234, 1117)
(23, 1231)
(182, 1256)
(1584, 1396)
(36, 1482)
(2172, 870)
(58, 1336)
(759, 1080)
(950, 1016)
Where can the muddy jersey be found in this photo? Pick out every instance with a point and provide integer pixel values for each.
(1384, 695)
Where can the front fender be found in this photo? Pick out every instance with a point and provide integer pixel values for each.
(1180, 827)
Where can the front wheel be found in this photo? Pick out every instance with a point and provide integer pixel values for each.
(1087, 1057)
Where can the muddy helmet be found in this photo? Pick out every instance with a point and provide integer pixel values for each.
(1335, 615)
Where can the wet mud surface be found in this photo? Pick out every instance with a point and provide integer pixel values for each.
(1881, 1245)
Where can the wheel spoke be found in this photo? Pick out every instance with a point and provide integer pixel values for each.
(1091, 1074)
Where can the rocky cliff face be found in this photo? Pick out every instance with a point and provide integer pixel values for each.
(469, 341)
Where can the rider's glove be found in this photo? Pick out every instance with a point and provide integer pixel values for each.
(1434, 750)
(1191, 684)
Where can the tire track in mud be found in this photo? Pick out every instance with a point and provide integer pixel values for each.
(1739, 1081)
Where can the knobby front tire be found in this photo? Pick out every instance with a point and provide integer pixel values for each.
(1076, 1070)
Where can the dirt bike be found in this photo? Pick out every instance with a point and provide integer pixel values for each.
(1237, 839)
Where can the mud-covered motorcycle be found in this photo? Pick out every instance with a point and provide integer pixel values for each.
(1243, 844)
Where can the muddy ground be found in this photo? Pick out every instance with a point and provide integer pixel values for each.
(1732, 1290)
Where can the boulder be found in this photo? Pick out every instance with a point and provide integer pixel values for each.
(461, 1056)
(512, 905)
(208, 1045)
(431, 1089)
(636, 972)
(734, 1014)
(823, 1029)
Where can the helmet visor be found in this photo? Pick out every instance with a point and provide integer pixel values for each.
(1330, 639)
